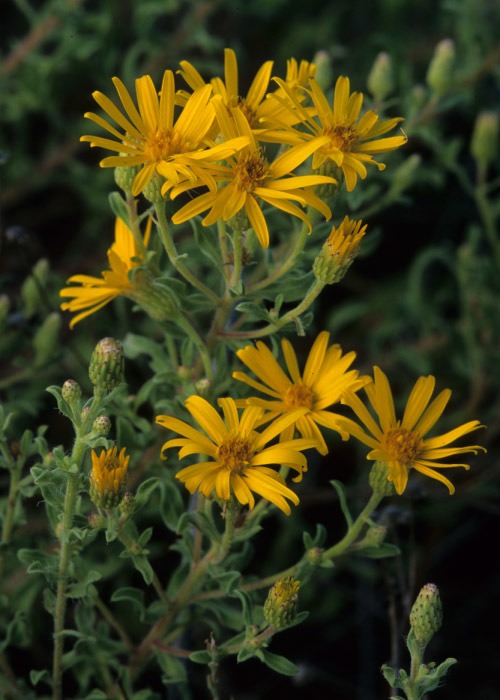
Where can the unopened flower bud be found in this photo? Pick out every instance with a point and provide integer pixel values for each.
(152, 191)
(127, 504)
(96, 521)
(101, 425)
(380, 80)
(375, 535)
(46, 339)
(340, 249)
(203, 386)
(108, 477)
(280, 608)
(184, 373)
(328, 190)
(323, 74)
(71, 391)
(106, 365)
(378, 479)
(426, 615)
(440, 71)
(31, 291)
(124, 177)
(484, 143)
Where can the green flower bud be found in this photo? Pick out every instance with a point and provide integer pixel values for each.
(203, 386)
(417, 100)
(184, 373)
(152, 191)
(31, 296)
(326, 190)
(96, 521)
(124, 177)
(106, 365)
(426, 615)
(127, 504)
(484, 143)
(380, 80)
(379, 479)
(46, 340)
(101, 425)
(440, 71)
(280, 608)
(159, 302)
(324, 74)
(71, 391)
(375, 535)
(404, 175)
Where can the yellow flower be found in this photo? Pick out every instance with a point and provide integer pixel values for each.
(108, 476)
(401, 443)
(238, 453)
(351, 143)
(94, 292)
(251, 178)
(150, 136)
(324, 381)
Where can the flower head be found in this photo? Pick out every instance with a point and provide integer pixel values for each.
(150, 136)
(323, 382)
(93, 292)
(339, 250)
(350, 143)
(108, 477)
(248, 178)
(239, 456)
(401, 444)
(280, 608)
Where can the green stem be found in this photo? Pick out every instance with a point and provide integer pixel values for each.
(314, 291)
(113, 622)
(237, 259)
(134, 225)
(289, 258)
(64, 560)
(488, 219)
(221, 228)
(172, 351)
(8, 522)
(355, 528)
(173, 255)
(191, 331)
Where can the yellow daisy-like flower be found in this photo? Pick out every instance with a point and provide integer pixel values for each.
(324, 382)
(94, 292)
(150, 136)
(401, 444)
(239, 456)
(351, 143)
(108, 477)
(251, 178)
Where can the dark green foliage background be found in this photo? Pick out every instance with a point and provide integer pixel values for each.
(422, 298)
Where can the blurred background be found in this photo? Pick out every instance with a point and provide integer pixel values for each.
(423, 296)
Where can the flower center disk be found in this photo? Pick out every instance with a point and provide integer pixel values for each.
(165, 143)
(250, 172)
(299, 395)
(342, 136)
(235, 453)
(402, 445)
(249, 113)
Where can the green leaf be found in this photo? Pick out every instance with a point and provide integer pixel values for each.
(119, 207)
(200, 657)
(389, 674)
(96, 694)
(247, 606)
(339, 488)
(278, 663)
(202, 523)
(244, 654)
(62, 405)
(15, 633)
(227, 580)
(145, 537)
(131, 595)
(383, 550)
(171, 504)
(177, 579)
(173, 669)
(142, 564)
(80, 589)
(37, 676)
(135, 345)
(144, 492)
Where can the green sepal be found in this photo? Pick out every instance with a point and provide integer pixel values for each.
(339, 488)
(383, 550)
(200, 657)
(247, 606)
(144, 492)
(132, 595)
(277, 663)
(119, 207)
